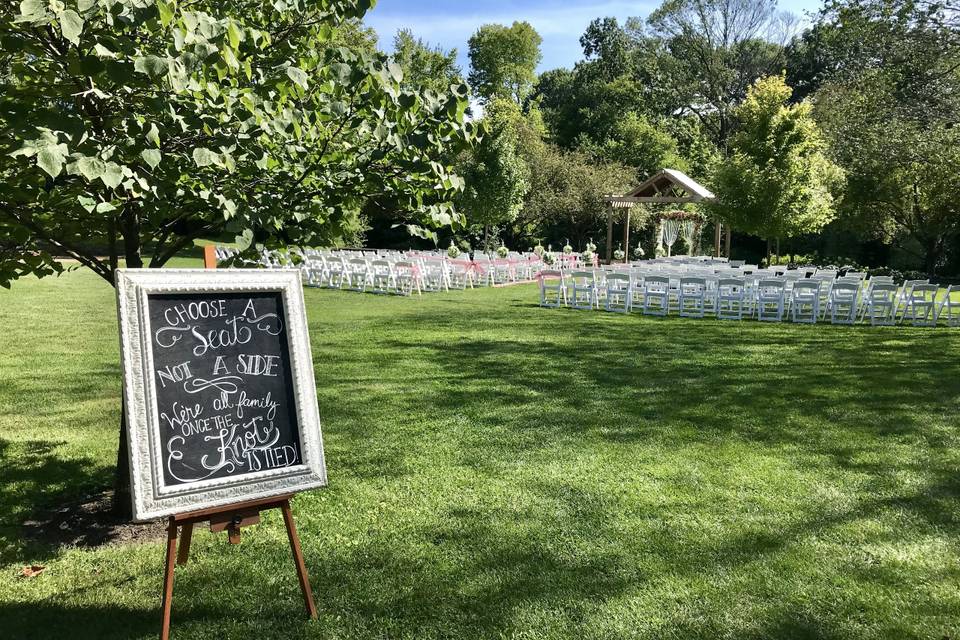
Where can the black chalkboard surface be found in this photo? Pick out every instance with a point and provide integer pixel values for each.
(224, 386)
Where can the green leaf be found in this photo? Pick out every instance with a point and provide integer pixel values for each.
(31, 10)
(298, 75)
(51, 158)
(152, 66)
(88, 167)
(87, 203)
(112, 175)
(244, 240)
(396, 71)
(153, 134)
(234, 34)
(85, 5)
(106, 207)
(71, 25)
(151, 157)
(28, 150)
(103, 52)
(165, 10)
(205, 157)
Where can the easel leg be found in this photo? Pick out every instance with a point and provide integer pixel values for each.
(298, 559)
(186, 535)
(168, 578)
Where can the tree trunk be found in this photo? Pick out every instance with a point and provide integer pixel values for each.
(768, 252)
(122, 505)
(932, 255)
(130, 222)
(728, 242)
(778, 250)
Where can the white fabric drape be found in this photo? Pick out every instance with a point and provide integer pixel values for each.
(689, 228)
(671, 230)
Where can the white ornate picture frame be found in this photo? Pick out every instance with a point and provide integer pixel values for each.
(153, 496)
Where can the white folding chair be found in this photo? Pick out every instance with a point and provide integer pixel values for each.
(406, 278)
(434, 274)
(460, 273)
(921, 309)
(904, 295)
(619, 296)
(636, 289)
(336, 272)
(553, 289)
(843, 301)
(381, 276)
(656, 295)
(949, 306)
(730, 299)
(770, 300)
(880, 303)
(805, 301)
(692, 298)
(583, 290)
(357, 274)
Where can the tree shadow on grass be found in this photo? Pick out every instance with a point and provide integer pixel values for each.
(43, 505)
(42, 621)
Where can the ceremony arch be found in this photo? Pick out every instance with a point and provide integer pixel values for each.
(668, 186)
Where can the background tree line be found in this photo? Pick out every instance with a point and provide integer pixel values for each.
(836, 140)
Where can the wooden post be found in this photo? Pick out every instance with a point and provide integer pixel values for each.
(610, 235)
(626, 239)
(209, 257)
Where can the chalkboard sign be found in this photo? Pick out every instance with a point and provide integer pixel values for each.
(219, 388)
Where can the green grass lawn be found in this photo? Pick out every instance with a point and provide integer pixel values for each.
(500, 470)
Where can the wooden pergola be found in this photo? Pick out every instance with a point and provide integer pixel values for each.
(669, 186)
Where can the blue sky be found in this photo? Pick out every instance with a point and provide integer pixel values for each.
(451, 23)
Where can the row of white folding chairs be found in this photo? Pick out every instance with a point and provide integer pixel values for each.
(767, 299)
(826, 280)
(376, 275)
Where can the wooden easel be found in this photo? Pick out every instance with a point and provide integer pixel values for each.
(229, 519)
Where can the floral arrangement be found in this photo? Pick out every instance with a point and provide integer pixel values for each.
(587, 257)
(567, 249)
(549, 259)
(639, 252)
(453, 251)
(619, 255)
(539, 250)
(682, 216)
(502, 251)
(592, 248)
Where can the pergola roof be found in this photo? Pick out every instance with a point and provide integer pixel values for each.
(665, 187)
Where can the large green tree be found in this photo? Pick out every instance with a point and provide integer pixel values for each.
(566, 198)
(503, 60)
(133, 127)
(717, 48)
(129, 128)
(639, 143)
(496, 179)
(890, 102)
(425, 66)
(777, 182)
